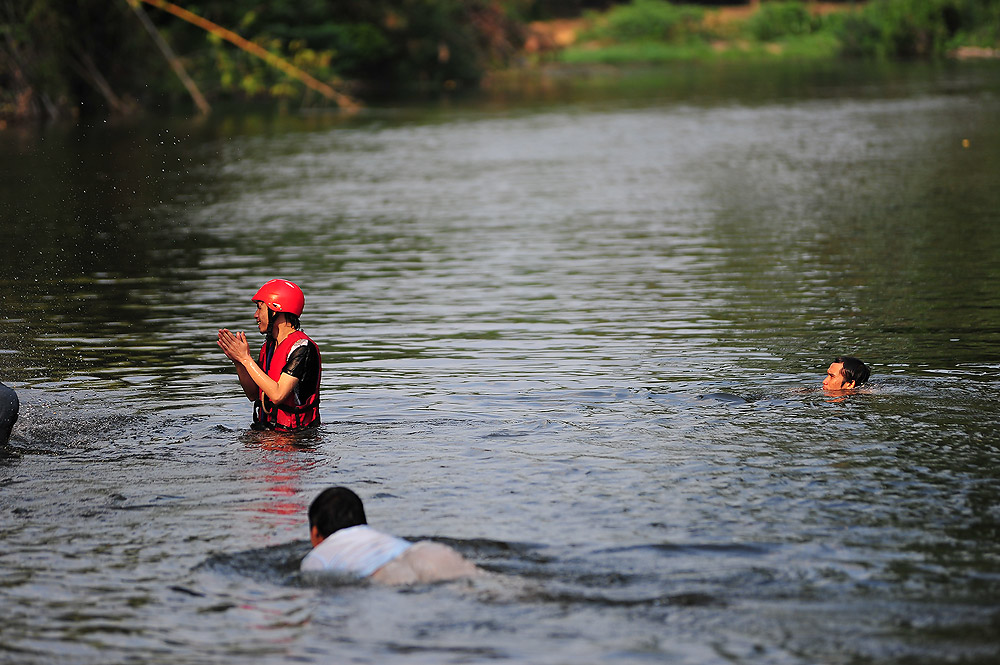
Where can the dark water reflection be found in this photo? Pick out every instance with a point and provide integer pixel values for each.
(520, 298)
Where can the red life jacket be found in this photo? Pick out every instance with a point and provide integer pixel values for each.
(287, 415)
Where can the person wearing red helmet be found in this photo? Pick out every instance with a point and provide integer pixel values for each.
(283, 383)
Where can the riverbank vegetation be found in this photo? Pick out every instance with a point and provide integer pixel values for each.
(116, 57)
(657, 30)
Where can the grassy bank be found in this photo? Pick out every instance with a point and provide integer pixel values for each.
(659, 31)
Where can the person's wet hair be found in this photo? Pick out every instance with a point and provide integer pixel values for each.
(854, 370)
(336, 508)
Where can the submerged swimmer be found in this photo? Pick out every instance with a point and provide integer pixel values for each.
(845, 373)
(283, 383)
(343, 542)
(9, 406)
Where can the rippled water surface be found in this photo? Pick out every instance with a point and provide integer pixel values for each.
(525, 300)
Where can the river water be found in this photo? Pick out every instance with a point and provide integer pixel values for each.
(522, 297)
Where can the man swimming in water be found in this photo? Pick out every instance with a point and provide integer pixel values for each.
(343, 542)
(846, 373)
(283, 383)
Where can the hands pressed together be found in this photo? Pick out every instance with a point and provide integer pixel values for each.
(234, 345)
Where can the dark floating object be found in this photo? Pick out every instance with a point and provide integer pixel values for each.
(9, 406)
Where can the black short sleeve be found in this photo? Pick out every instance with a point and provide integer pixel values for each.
(299, 361)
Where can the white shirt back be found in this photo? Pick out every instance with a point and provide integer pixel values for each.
(360, 550)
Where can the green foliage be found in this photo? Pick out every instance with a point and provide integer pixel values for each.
(64, 58)
(648, 20)
(860, 36)
(918, 28)
(816, 46)
(653, 30)
(388, 42)
(980, 24)
(644, 51)
(780, 19)
(238, 74)
(820, 45)
(59, 55)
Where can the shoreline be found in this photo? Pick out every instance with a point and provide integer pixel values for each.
(547, 40)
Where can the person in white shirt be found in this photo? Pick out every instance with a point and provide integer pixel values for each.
(344, 543)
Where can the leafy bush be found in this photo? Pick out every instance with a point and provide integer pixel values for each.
(905, 28)
(780, 19)
(649, 20)
(859, 36)
(388, 42)
(979, 23)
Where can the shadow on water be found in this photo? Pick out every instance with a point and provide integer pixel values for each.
(277, 565)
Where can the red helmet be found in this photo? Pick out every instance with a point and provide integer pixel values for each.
(280, 295)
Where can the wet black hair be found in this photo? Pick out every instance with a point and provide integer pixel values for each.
(854, 370)
(334, 509)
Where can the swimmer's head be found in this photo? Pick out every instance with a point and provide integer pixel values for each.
(334, 509)
(845, 373)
